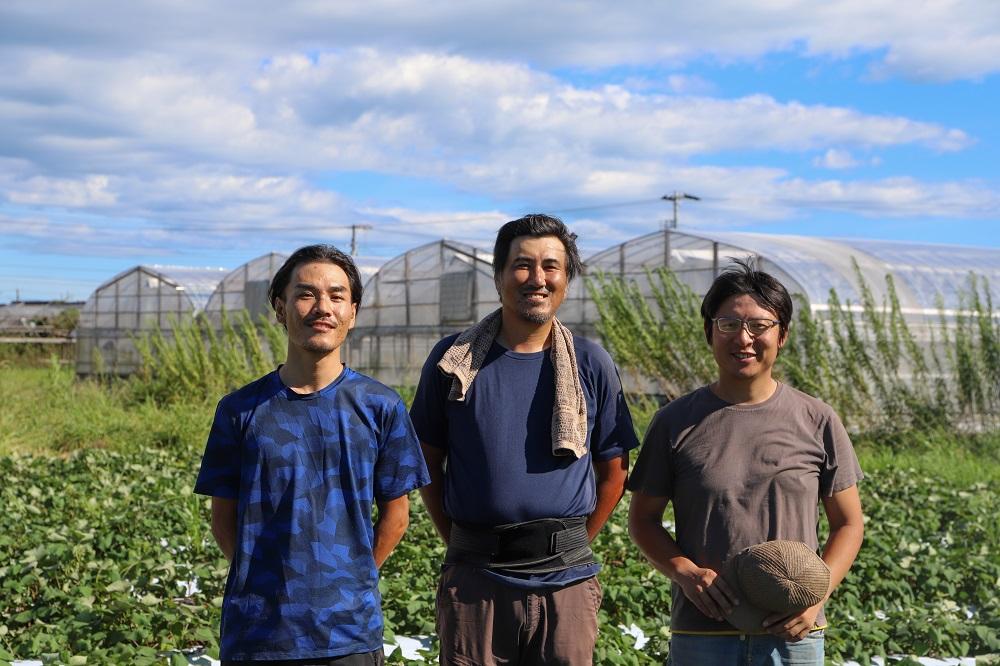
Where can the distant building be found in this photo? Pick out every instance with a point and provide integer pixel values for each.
(37, 319)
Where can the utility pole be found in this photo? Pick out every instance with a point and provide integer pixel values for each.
(676, 198)
(354, 236)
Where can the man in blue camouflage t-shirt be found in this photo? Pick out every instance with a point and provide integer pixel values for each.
(293, 464)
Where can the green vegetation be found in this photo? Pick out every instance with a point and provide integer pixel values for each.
(197, 362)
(106, 553)
(864, 359)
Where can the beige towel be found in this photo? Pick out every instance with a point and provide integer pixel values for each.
(465, 357)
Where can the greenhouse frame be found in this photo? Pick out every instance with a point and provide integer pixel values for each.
(245, 288)
(413, 301)
(929, 279)
(445, 286)
(135, 302)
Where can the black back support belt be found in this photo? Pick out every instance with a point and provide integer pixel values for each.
(535, 546)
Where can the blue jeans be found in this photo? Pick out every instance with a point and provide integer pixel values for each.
(767, 650)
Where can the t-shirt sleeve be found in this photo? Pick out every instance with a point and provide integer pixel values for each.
(653, 470)
(220, 465)
(841, 469)
(614, 433)
(428, 409)
(400, 467)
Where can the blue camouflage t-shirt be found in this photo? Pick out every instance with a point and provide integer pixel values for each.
(305, 470)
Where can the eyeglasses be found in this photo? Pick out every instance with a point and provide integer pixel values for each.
(755, 327)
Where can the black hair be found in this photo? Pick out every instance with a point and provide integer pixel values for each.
(309, 254)
(743, 278)
(537, 225)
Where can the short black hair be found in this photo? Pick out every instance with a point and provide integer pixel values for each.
(537, 225)
(309, 254)
(743, 278)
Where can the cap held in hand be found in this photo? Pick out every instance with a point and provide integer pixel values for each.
(774, 577)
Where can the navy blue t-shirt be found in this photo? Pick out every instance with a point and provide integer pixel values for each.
(305, 470)
(500, 467)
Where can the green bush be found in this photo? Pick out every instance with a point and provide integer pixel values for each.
(192, 360)
(863, 359)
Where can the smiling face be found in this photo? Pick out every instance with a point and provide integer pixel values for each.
(741, 358)
(316, 308)
(533, 282)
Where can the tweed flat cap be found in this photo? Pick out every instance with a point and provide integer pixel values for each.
(774, 577)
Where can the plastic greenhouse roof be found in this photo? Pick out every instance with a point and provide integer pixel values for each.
(920, 271)
(198, 283)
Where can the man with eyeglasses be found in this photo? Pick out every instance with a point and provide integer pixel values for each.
(744, 460)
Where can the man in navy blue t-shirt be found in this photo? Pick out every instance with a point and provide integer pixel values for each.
(294, 463)
(516, 491)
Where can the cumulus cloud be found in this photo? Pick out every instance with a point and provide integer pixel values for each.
(216, 147)
(959, 39)
(210, 122)
(836, 158)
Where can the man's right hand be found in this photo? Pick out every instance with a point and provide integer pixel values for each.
(706, 589)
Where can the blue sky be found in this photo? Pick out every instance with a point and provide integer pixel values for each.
(206, 134)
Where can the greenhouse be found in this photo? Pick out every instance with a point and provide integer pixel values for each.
(413, 301)
(134, 302)
(245, 288)
(443, 287)
(924, 275)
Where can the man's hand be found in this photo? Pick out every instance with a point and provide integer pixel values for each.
(793, 627)
(706, 589)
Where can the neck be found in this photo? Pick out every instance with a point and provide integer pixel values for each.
(519, 335)
(307, 373)
(745, 393)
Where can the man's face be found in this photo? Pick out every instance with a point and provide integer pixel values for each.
(316, 308)
(533, 282)
(739, 356)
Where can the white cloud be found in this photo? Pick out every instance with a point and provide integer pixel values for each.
(685, 84)
(835, 158)
(492, 127)
(893, 197)
(957, 39)
(91, 191)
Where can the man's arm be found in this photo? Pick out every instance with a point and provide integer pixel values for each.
(704, 587)
(433, 493)
(224, 525)
(393, 519)
(610, 476)
(847, 531)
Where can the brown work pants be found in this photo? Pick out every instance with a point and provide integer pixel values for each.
(482, 622)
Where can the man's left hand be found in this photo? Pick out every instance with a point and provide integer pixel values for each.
(793, 627)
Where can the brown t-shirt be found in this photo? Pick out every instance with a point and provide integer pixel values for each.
(739, 475)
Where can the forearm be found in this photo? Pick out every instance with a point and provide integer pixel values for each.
(847, 531)
(659, 547)
(433, 493)
(224, 525)
(610, 478)
(393, 519)
(840, 551)
(433, 498)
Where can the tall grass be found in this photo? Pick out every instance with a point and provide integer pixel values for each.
(883, 374)
(193, 360)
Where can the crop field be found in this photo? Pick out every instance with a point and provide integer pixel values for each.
(106, 555)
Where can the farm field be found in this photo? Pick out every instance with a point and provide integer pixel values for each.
(106, 553)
